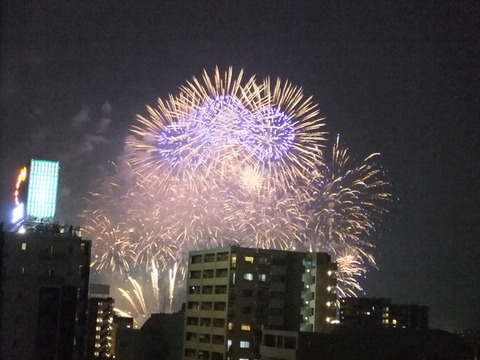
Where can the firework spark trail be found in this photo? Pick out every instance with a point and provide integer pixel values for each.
(233, 160)
(350, 268)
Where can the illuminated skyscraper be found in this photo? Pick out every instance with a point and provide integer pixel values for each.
(234, 293)
(35, 193)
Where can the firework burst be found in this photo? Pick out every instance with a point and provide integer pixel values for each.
(232, 160)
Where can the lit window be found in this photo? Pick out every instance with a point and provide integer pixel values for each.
(248, 276)
(24, 246)
(234, 261)
(249, 259)
(245, 327)
(394, 322)
(245, 344)
(262, 277)
(22, 270)
(230, 326)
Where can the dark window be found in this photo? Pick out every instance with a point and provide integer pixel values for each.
(193, 305)
(221, 289)
(220, 323)
(222, 256)
(290, 342)
(205, 322)
(269, 340)
(206, 306)
(204, 338)
(220, 306)
(222, 273)
(208, 274)
(197, 274)
(194, 290)
(218, 339)
(192, 321)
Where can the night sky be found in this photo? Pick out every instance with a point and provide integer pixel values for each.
(393, 77)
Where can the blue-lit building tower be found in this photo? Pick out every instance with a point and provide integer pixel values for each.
(44, 274)
(35, 193)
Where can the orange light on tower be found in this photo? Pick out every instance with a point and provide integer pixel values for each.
(35, 193)
(22, 177)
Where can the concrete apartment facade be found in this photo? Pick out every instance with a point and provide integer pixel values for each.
(234, 293)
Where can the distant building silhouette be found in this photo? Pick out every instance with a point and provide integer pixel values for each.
(161, 337)
(43, 299)
(381, 312)
(364, 343)
(119, 324)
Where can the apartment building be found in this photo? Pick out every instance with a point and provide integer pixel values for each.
(233, 293)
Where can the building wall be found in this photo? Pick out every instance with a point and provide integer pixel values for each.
(119, 323)
(162, 337)
(99, 328)
(38, 272)
(319, 293)
(234, 293)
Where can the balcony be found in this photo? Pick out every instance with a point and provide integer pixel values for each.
(307, 311)
(307, 295)
(277, 353)
(308, 279)
(306, 327)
